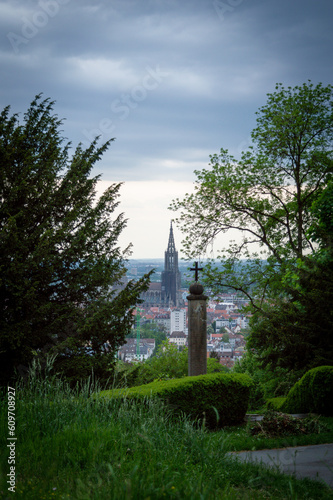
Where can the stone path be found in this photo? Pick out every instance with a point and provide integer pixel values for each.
(314, 462)
(255, 417)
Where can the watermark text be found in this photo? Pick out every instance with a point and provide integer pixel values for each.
(31, 25)
(11, 439)
(225, 7)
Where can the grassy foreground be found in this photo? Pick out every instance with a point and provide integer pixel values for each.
(71, 446)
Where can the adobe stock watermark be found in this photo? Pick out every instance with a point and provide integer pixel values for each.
(11, 440)
(32, 25)
(122, 107)
(225, 7)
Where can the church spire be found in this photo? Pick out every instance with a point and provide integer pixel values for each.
(171, 279)
(171, 243)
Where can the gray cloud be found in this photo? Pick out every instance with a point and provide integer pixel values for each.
(172, 81)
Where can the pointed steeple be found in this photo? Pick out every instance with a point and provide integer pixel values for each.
(171, 278)
(171, 243)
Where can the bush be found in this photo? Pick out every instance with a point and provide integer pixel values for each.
(216, 399)
(275, 403)
(267, 383)
(132, 374)
(312, 393)
(214, 366)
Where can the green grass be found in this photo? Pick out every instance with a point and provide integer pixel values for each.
(71, 446)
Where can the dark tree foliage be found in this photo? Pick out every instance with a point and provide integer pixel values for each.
(297, 330)
(61, 268)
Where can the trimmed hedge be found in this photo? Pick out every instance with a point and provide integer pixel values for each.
(219, 399)
(313, 393)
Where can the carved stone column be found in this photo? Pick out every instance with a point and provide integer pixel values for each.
(197, 330)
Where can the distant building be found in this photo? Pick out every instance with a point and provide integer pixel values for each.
(164, 320)
(178, 320)
(178, 338)
(153, 296)
(171, 278)
(128, 351)
(167, 292)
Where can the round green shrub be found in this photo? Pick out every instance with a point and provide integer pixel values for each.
(313, 393)
(217, 399)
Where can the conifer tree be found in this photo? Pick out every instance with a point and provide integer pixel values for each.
(61, 269)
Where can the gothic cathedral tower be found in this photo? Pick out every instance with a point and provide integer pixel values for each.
(171, 278)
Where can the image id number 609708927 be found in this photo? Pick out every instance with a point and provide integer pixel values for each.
(11, 445)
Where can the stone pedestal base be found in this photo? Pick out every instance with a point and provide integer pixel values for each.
(197, 331)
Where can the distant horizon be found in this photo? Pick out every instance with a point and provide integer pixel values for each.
(159, 259)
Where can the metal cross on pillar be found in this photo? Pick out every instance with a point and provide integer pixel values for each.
(196, 269)
(197, 327)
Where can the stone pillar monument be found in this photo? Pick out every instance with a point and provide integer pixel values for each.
(197, 328)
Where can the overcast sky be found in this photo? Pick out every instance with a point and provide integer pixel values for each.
(173, 81)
